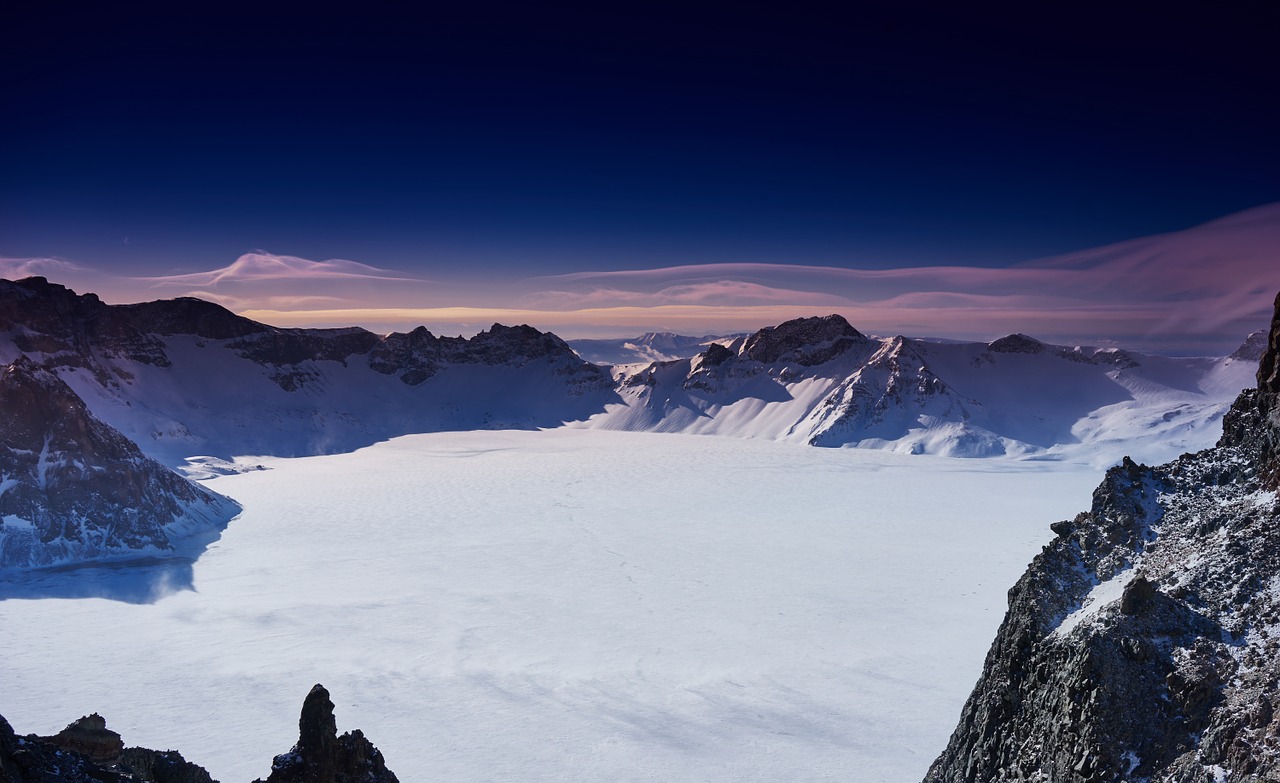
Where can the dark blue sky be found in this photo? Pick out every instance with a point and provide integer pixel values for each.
(520, 139)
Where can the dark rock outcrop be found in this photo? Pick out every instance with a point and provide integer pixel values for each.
(90, 737)
(1253, 347)
(74, 489)
(88, 752)
(804, 341)
(162, 766)
(1143, 643)
(321, 756)
(1016, 343)
(418, 355)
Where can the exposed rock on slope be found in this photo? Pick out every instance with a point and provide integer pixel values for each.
(321, 756)
(88, 752)
(72, 489)
(1143, 643)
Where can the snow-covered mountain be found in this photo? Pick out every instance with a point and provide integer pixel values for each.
(184, 378)
(195, 385)
(820, 381)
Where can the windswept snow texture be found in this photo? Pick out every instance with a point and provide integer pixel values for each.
(567, 606)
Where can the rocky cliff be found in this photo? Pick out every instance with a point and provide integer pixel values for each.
(86, 751)
(72, 489)
(1143, 643)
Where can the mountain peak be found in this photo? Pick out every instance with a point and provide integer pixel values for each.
(797, 339)
(1016, 343)
(321, 756)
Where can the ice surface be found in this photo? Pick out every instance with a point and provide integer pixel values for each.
(566, 605)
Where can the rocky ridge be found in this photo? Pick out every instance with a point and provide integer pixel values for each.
(86, 751)
(1143, 643)
(72, 489)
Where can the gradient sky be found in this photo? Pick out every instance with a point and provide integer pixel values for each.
(526, 159)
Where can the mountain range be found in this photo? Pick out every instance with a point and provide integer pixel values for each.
(104, 400)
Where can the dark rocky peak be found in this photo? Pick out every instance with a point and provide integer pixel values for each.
(1016, 343)
(91, 737)
(36, 303)
(503, 343)
(805, 341)
(715, 355)
(418, 355)
(1253, 347)
(321, 756)
(49, 318)
(188, 315)
(69, 328)
(88, 752)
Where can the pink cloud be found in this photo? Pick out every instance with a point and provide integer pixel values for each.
(18, 268)
(1206, 287)
(259, 266)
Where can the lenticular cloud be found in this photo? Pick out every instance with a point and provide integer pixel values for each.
(1202, 288)
(1195, 291)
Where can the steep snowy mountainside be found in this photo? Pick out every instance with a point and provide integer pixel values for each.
(649, 347)
(820, 381)
(1140, 644)
(185, 377)
(72, 489)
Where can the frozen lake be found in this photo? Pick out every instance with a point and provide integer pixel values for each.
(567, 605)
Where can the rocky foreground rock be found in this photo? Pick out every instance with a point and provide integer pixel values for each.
(87, 751)
(1143, 643)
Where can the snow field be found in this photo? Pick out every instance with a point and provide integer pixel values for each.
(567, 605)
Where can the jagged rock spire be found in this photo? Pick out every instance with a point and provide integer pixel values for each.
(321, 756)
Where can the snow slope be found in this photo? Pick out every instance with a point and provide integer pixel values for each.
(1014, 396)
(565, 606)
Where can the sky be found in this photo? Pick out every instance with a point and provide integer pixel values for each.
(606, 169)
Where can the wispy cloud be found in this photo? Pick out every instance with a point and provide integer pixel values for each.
(1200, 289)
(259, 267)
(1197, 290)
(18, 268)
